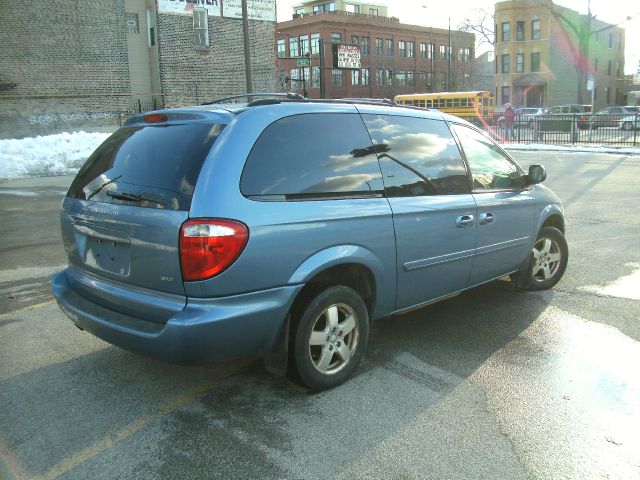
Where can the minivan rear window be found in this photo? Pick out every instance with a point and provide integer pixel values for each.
(147, 166)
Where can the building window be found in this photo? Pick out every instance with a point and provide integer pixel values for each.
(535, 62)
(379, 47)
(411, 79)
(535, 30)
(410, 50)
(402, 78)
(355, 77)
(315, 45)
(336, 37)
(443, 52)
(352, 8)
(402, 48)
(389, 77)
(389, 47)
(506, 63)
(293, 46)
(380, 77)
(315, 77)
(464, 54)
(506, 31)
(505, 95)
(336, 77)
(151, 27)
(430, 52)
(324, 7)
(201, 28)
(304, 45)
(293, 75)
(281, 48)
(299, 11)
(443, 82)
(519, 62)
(373, 12)
(520, 31)
(133, 24)
(423, 50)
(355, 40)
(365, 76)
(364, 43)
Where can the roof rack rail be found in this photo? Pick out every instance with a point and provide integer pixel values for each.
(261, 96)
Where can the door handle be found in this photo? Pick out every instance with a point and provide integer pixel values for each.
(464, 221)
(485, 218)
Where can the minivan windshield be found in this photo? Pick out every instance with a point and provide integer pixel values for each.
(147, 166)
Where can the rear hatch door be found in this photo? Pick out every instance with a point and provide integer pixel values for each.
(122, 215)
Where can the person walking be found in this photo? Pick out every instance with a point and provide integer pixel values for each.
(509, 120)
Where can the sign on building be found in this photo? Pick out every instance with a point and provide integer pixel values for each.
(264, 10)
(185, 6)
(346, 56)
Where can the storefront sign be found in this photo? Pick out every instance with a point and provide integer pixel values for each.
(184, 6)
(346, 56)
(264, 10)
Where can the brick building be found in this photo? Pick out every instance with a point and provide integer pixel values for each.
(395, 58)
(69, 64)
(540, 62)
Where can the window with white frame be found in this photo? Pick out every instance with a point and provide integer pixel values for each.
(293, 46)
(151, 27)
(304, 45)
(355, 77)
(402, 48)
(364, 76)
(281, 48)
(410, 50)
(315, 45)
(200, 28)
(315, 77)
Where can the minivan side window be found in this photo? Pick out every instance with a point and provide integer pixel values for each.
(312, 156)
(490, 168)
(418, 156)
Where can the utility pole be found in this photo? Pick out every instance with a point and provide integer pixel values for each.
(449, 55)
(321, 48)
(247, 53)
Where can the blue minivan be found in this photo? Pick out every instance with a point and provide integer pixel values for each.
(283, 226)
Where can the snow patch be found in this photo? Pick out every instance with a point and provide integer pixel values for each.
(51, 155)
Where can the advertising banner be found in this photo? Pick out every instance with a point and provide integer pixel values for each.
(264, 10)
(185, 6)
(346, 56)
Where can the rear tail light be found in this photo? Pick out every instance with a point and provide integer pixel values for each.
(208, 246)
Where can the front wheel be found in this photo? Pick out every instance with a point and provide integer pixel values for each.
(548, 260)
(329, 337)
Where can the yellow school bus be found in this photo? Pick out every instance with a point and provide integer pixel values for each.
(460, 104)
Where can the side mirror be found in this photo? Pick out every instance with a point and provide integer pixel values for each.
(537, 174)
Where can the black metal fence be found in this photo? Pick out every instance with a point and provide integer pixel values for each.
(593, 130)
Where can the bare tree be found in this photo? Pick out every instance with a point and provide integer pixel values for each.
(481, 22)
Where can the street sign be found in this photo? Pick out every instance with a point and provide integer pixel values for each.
(302, 62)
(590, 83)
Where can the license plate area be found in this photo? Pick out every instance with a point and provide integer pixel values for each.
(104, 249)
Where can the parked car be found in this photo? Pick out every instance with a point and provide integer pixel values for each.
(283, 226)
(610, 116)
(525, 116)
(630, 122)
(570, 113)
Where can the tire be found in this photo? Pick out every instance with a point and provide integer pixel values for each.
(547, 261)
(329, 337)
(627, 126)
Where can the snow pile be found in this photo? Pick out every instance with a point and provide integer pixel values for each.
(60, 154)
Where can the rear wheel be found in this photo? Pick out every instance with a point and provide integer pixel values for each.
(329, 337)
(627, 126)
(548, 260)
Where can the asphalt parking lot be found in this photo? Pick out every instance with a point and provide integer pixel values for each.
(493, 384)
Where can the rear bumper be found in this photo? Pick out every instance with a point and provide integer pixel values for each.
(205, 330)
